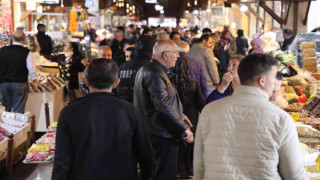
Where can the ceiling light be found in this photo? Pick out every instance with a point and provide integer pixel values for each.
(244, 8)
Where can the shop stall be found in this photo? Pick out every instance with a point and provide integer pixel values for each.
(300, 97)
(51, 91)
(16, 134)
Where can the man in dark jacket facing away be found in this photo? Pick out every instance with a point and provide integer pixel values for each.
(44, 40)
(157, 99)
(288, 39)
(127, 71)
(101, 136)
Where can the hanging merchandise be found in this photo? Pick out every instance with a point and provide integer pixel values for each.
(73, 24)
(6, 16)
(83, 18)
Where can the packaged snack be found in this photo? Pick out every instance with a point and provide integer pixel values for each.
(39, 148)
(53, 127)
(4, 132)
(307, 131)
(36, 156)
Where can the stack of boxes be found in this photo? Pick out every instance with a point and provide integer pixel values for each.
(309, 56)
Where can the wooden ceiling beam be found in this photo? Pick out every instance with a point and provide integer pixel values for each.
(255, 14)
(307, 12)
(287, 14)
(271, 12)
(26, 14)
(235, 12)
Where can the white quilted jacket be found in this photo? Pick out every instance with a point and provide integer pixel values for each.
(244, 137)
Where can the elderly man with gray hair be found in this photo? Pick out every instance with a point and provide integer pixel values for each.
(196, 70)
(16, 63)
(162, 36)
(103, 52)
(159, 103)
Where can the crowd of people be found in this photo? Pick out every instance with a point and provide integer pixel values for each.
(165, 104)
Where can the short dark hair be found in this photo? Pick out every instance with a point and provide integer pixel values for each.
(205, 37)
(102, 73)
(194, 31)
(40, 26)
(174, 33)
(146, 30)
(130, 49)
(121, 28)
(130, 42)
(253, 66)
(288, 31)
(206, 30)
(240, 32)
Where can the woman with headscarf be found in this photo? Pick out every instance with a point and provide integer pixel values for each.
(256, 46)
(70, 63)
(192, 100)
(227, 35)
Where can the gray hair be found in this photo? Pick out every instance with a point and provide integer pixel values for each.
(104, 47)
(183, 47)
(162, 36)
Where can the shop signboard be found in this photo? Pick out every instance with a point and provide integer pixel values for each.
(89, 3)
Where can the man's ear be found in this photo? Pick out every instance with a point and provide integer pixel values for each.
(86, 81)
(116, 83)
(261, 81)
(164, 55)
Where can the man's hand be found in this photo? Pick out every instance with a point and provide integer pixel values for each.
(189, 137)
(85, 62)
(187, 121)
(35, 85)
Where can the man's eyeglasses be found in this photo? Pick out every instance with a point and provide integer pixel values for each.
(177, 52)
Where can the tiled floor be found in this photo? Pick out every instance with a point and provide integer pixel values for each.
(34, 172)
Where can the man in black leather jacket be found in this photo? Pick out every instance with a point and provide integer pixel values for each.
(157, 99)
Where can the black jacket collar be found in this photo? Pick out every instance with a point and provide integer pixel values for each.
(160, 65)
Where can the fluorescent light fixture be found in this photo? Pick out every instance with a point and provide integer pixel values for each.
(151, 1)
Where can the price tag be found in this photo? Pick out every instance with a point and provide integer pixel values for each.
(295, 116)
(309, 100)
(318, 163)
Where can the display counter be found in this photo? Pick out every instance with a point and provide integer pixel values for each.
(36, 105)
